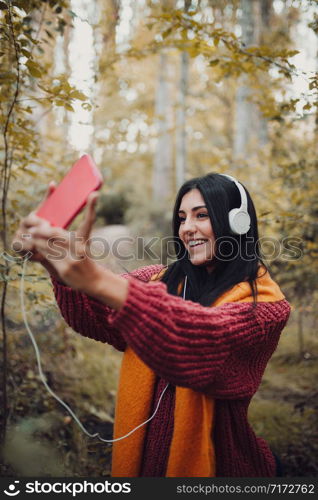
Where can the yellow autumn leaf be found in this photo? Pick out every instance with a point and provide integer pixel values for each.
(77, 94)
(33, 69)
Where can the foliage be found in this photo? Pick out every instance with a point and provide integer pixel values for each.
(27, 84)
(285, 407)
(112, 208)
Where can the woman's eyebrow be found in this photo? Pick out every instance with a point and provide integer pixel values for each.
(193, 209)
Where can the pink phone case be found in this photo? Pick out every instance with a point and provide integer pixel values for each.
(70, 196)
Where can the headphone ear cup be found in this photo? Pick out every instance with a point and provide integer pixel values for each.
(239, 220)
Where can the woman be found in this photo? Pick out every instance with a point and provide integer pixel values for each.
(207, 352)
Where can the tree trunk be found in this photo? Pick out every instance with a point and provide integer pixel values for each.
(244, 108)
(250, 123)
(181, 134)
(163, 155)
(264, 14)
(316, 115)
(68, 70)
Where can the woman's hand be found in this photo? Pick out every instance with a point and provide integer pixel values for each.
(67, 252)
(24, 242)
(21, 242)
(66, 255)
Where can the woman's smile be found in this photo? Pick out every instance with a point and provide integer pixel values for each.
(195, 243)
(195, 228)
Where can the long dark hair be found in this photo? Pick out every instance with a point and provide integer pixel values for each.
(237, 257)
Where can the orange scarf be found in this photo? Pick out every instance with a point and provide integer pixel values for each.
(191, 451)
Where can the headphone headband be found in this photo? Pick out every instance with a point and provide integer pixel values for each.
(241, 190)
(239, 219)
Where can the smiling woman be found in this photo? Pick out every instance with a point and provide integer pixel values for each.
(205, 241)
(195, 229)
(196, 336)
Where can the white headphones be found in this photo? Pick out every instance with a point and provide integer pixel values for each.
(239, 219)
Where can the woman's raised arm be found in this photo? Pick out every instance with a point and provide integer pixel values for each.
(89, 316)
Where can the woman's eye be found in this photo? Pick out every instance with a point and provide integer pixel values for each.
(200, 215)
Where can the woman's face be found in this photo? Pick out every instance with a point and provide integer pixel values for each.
(195, 228)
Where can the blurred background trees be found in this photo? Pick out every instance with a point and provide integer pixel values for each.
(157, 92)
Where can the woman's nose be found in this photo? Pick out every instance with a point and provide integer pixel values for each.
(188, 226)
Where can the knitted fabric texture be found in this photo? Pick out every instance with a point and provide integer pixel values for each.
(159, 433)
(214, 356)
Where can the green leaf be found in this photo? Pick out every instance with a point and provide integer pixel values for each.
(26, 53)
(32, 40)
(292, 53)
(33, 69)
(68, 106)
(43, 88)
(65, 86)
(214, 62)
(76, 94)
(87, 106)
(23, 42)
(26, 5)
(166, 33)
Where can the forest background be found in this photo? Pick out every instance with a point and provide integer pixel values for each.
(157, 92)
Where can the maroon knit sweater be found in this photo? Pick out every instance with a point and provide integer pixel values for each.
(221, 351)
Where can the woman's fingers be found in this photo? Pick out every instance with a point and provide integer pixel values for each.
(22, 241)
(22, 234)
(36, 235)
(32, 220)
(52, 249)
(85, 228)
(23, 244)
(46, 231)
(57, 244)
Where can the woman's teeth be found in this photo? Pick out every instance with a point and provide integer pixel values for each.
(195, 243)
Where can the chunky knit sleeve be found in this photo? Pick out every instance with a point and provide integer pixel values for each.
(222, 350)
(90, 317)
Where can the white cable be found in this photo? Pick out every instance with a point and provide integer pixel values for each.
(42, 376)
(185, 286)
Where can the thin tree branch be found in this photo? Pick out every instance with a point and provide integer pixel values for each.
(5, 186)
